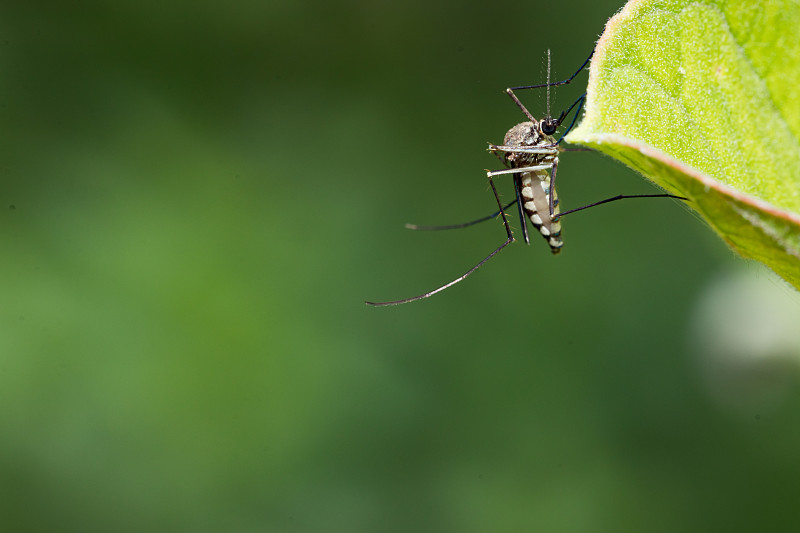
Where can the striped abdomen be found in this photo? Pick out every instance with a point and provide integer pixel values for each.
(536, 203)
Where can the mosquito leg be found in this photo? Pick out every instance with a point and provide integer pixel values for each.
(498, 156)
(556, 83)
(579, 102)
(462, 225)
(510, 92)
(544, 149)
(520, 170)
(573, 149)
(503, 213)
(509, 240)
(621, 197)
(552, 193)
(523, 220)
(493, 215)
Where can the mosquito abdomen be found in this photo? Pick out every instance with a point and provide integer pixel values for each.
(536, 203)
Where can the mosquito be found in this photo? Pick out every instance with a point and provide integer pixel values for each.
(530, 155)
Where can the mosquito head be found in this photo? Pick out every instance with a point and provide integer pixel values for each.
(549, 125)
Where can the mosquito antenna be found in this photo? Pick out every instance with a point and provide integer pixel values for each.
(548, 84)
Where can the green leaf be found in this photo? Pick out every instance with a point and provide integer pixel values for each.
(703, 98)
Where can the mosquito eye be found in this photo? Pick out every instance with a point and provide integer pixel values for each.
(549, 127)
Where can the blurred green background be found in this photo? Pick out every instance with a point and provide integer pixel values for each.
(195, 200)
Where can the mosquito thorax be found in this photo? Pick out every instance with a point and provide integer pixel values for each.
(526, 134)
